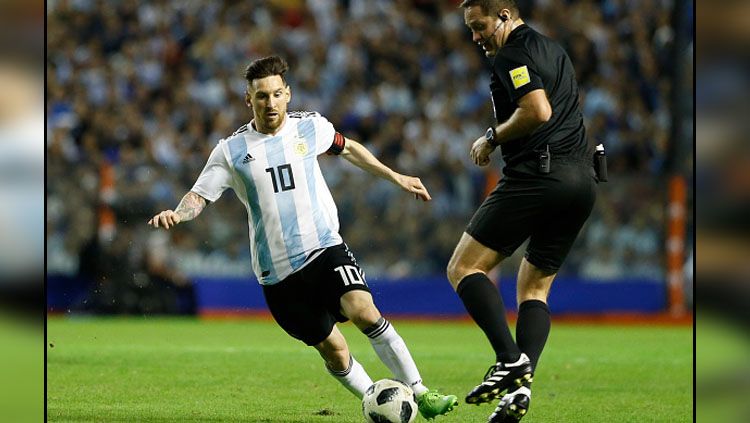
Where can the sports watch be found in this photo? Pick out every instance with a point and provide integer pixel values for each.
(490, 137)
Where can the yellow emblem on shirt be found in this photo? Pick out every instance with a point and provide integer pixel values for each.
(300, 148)
(520, 77)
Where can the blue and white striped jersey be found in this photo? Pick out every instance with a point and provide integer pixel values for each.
(290, 209)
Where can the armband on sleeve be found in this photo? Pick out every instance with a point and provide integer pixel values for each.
(338, 144)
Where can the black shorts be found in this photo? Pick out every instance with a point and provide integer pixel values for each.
(307, 303)
(548, 209)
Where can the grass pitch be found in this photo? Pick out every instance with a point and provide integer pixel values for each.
(187, 370)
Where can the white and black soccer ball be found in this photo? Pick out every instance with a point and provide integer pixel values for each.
(389, 401)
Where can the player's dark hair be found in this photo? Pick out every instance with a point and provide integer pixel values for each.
(267, 66)
(492, 7)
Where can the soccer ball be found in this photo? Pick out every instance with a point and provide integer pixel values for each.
(389, 401)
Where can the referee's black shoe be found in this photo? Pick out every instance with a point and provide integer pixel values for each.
(513, 406)
(499, 377)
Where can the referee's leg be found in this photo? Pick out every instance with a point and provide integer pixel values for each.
(471, 257)
(467, 272)
(533, 324)
(533, 282)
(569, 205)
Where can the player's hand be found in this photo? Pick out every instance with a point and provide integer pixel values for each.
(480, 151)
(165, 219)
(414, 185)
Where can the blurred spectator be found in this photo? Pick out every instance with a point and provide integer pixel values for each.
(105, 265)
(21, 157)
(173, 289)
(689, 278)
(723, 195)
(150, 88)
(125, 278)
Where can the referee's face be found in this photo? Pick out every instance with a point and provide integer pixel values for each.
(485, 30)
(268, 98)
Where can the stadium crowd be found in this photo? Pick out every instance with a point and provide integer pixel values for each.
(139, 93)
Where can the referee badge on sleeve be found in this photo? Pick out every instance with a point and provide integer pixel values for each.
(520, 76)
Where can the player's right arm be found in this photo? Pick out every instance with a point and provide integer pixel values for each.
(191, 206)
(213, 180)
(361, 157)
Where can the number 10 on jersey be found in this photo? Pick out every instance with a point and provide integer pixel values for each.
(286, 177)
(350, 275)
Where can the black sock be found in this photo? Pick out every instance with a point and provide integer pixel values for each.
(485, 305)
(532, 328)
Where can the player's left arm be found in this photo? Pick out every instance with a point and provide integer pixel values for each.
(361, 157)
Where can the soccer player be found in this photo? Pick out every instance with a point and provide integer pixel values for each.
(310, 279)
(546, 194)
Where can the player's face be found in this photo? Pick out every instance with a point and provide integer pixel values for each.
(268, 97)
(486, 31)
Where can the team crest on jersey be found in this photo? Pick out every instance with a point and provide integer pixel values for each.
(300, 148)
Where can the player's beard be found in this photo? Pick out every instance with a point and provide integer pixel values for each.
(271, 123)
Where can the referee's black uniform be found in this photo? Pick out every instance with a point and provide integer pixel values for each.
(547, 202)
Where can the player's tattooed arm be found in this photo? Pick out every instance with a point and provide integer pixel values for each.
(190, 206)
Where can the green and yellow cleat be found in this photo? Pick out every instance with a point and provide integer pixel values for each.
(432, 404)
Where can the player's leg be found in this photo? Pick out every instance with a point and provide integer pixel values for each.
(342, 365)
(348, 297)
(343, 281)
(358, 306)
(296, 307)
(467, 272)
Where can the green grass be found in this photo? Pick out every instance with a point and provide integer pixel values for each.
(174, 370)
(21, 367)
(722, 370)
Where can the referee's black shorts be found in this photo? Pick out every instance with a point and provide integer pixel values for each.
(307, 304)
(548, 209)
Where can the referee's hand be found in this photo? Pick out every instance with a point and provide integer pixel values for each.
(480, 151)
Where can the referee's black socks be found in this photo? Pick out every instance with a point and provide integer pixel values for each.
(532, 328)
(485, 305)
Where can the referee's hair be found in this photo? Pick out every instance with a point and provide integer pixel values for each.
(492, 7)
(267, 66)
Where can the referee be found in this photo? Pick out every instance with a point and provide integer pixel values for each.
(545, 196)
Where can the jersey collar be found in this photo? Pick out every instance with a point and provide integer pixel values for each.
(516, 32)
(251, 125)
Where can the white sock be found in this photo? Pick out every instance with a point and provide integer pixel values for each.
(355, 378)
(392, 351)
